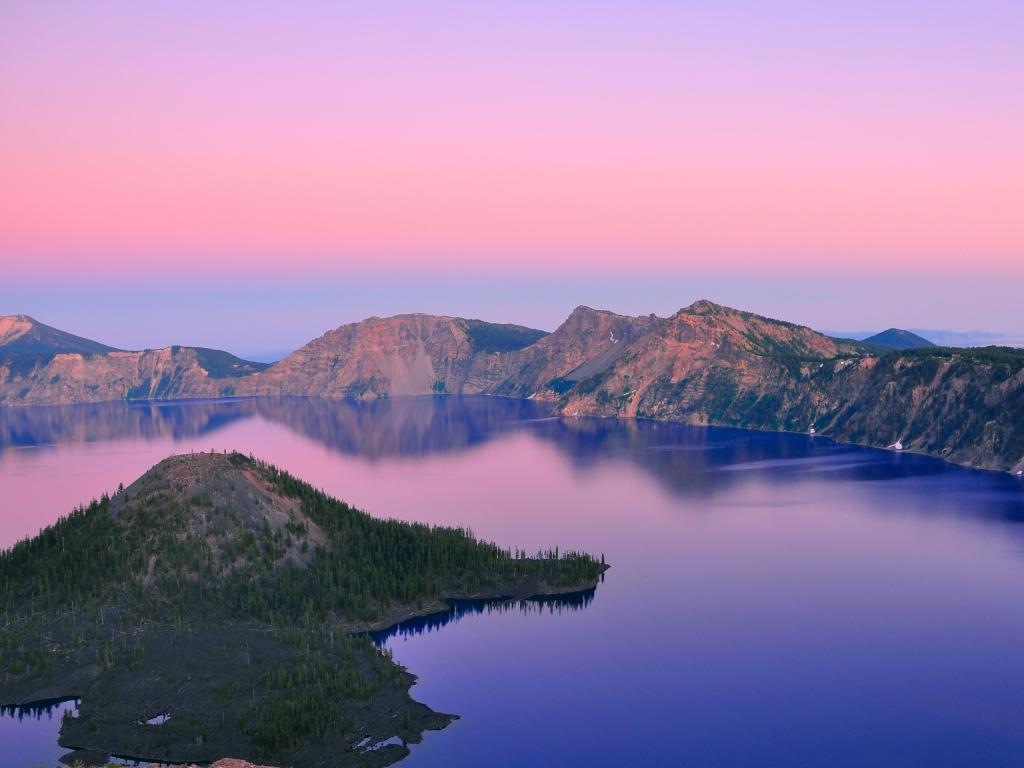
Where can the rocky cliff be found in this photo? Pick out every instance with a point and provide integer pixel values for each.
(428, 354)
(586, 344)
(402, 355)
(706, 364)
(153, 374)
(714, 365)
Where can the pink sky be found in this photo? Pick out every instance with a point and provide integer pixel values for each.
(571, 135)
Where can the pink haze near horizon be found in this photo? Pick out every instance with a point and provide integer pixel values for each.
(552, 137)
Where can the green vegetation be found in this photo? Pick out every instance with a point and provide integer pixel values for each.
(223, 365)
(1008, 356)
(224, 590)
(23, 364)
(561, 385)
(496, 337)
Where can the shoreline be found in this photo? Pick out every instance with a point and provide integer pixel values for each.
(1014, 471)
(442, 606)
(50, 697)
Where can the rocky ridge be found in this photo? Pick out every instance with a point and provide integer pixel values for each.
(706, 364)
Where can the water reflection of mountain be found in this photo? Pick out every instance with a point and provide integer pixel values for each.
(38, 710)
(687, 460)
(460, 609)
(412, 426)
(59, 424)
(401, 426)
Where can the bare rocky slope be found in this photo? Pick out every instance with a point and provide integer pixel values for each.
(427, 354)
(152, 374)
(707, 364)
(40, 365)
(710, 364)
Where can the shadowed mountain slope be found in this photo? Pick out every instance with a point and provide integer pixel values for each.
(23, 335)
(897, 338)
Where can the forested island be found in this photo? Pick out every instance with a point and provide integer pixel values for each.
(219, 607)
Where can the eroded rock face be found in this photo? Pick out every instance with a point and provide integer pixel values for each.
(155, 374)
(714, 365)
(586, 344)
(706, 364)
(414, 355)
(694, 365)
(378, 357)
(13, 327)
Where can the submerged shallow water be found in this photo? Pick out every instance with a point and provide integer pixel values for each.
(773, 599)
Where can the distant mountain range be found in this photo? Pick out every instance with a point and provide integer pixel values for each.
(706, 364)
(941, 338)
(895, 338)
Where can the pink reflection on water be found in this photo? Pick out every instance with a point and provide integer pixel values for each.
(514, 489)
(790, 597)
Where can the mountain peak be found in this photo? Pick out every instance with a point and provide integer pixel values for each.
(707, 307)
(584, 310)
(13, 327)
(897, 338)
(224, 497)
(21, 334)
(703, 306)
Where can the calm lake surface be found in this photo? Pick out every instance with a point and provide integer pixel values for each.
(773, 599)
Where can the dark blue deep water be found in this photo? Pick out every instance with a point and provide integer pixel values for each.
(774, 600)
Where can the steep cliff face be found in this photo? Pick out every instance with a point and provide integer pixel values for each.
(702, 363)
(706, 364)
(714, 365)
(378, 357)
(586, 344)
(172, 372)
(403, 355)
(425, 354)
(966, 405)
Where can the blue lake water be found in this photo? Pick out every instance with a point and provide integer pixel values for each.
(774, 600)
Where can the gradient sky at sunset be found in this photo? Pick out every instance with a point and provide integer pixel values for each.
(423, 150)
